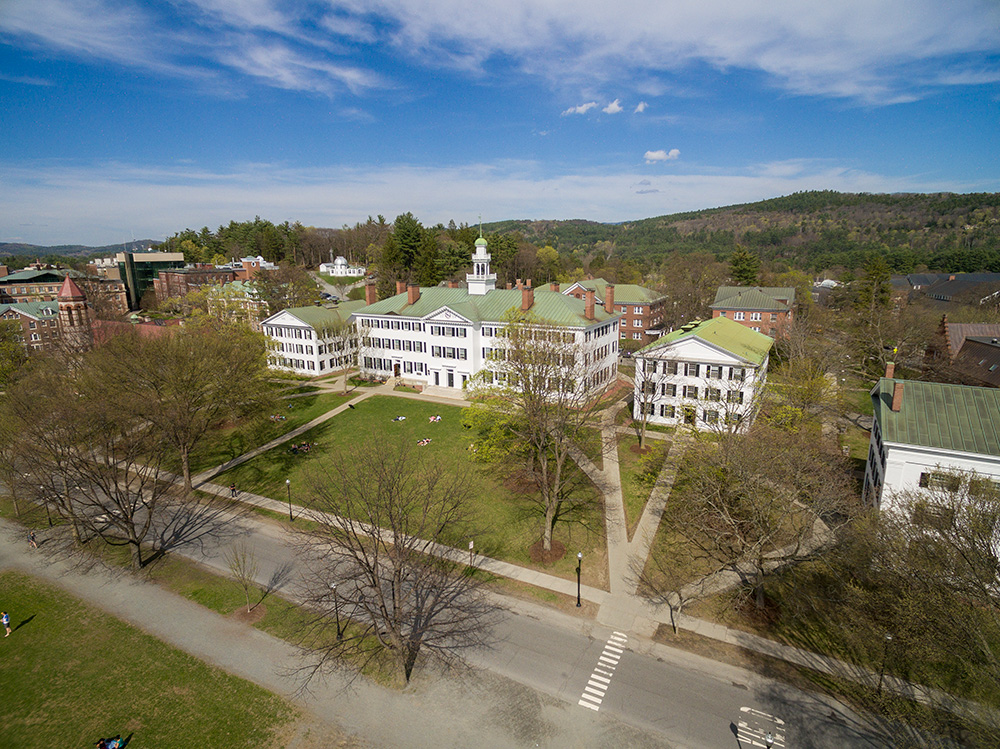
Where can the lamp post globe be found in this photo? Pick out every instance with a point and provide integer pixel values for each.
(288, 487)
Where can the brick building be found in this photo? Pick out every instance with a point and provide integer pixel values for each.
(763, 309)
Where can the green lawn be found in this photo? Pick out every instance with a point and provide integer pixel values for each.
(509, 522)
(73, 674)
(230, 441)
(638, 475)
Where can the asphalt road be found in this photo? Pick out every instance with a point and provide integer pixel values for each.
(687, 700)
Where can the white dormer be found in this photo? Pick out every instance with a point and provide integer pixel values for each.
(481, 280)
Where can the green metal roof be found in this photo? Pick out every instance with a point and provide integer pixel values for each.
(933, 414)
(753, 297)
(625, 293)
(319, 316)
(550, 306)
(33, 309)
(35, 276)
(723, 333)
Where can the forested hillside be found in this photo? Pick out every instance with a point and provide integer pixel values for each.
(808, 230)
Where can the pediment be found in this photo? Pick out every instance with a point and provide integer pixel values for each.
(446, 314)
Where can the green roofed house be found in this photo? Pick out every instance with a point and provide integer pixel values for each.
(926, 435)
(313, 340)
(641, 309)
(441, 337)
(763, 309)
(705, 375)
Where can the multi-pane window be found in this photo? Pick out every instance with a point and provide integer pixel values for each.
(668, 390)
(670, 368)
(691, 369)
(711, 417)
(714, 373)
(774, 317)
(713, 394)
(737, 374)
(667, 411)
(755, 317)
(946, 481)
(738, 315)
(691, 391)
(735, 396)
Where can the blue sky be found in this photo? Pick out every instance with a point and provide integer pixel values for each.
(124, 118)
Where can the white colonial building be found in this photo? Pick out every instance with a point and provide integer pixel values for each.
(704, 374)
(340, 268)
(926, 435)
(313, 340)
(442, 337)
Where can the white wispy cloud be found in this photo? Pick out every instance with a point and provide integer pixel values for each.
(652, 157)
(107, 203)
(640, 107)
(613, 108)
(874, 52)
(871, 51)
(581, 109)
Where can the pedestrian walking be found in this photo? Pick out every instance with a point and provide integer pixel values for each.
(5, 621)
(232, 490)
(32, 542)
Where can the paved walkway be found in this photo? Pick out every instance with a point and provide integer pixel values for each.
(620, 608)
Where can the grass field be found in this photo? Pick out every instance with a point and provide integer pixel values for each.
(507, 517)
(638, 475)
(228, 442)
(73, 674)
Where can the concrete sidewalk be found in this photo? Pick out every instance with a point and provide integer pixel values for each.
(454, 709)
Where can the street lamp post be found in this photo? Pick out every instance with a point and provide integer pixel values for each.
(579, 561)
(885, 656)
(336, 611)
(288, 486)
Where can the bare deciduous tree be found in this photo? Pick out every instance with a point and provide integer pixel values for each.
(751, 503)
(242, 563)
(539, 376)
(95, 464)
(379, 573)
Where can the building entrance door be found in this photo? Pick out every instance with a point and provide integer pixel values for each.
(437, 378)
(395, 369)
(451, 379)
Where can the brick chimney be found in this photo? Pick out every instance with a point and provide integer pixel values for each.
(527, 297)
(371, 293)
(400, 287)
(453, 284)
(890, 370)
(588, 311)
(517, 281)
(897, 396)
(554, 286)
(609, 298)
(412, 293)
(3, 271)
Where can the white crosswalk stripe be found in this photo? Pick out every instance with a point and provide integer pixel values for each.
(600, 678)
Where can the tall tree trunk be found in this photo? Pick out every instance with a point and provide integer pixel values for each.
(136, 554)
(186, 467)
(550, 516)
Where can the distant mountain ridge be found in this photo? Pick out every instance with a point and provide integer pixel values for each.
(815, 230)
(71, 250)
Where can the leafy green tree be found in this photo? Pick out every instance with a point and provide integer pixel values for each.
(744, 267)
(536, 387)
(287, 286)
(12, 352)
(409, 235)
(874, 288)
(185, 384)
